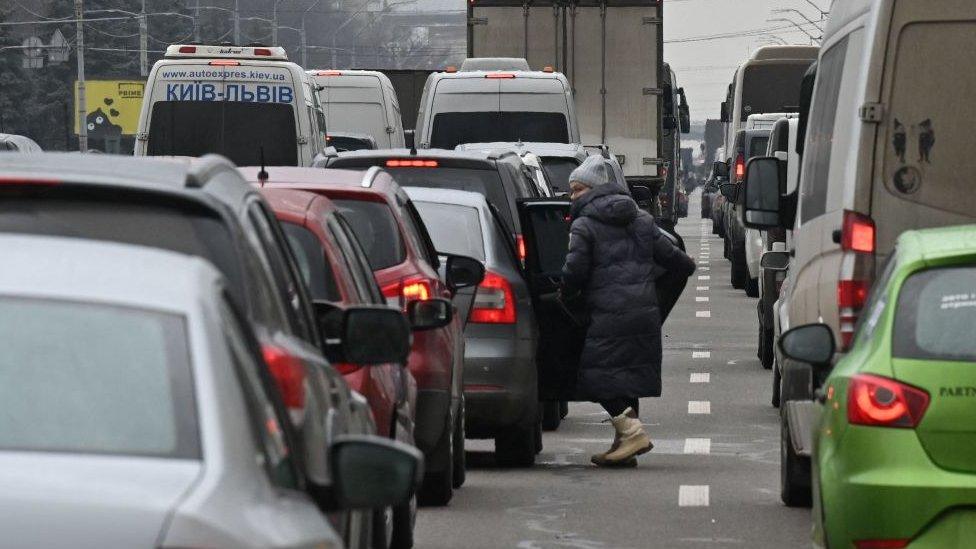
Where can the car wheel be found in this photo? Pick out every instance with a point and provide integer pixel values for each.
(460, 464)
(404, 517)
(515, 447)
(738, 273)
(551, 417)
(438, 486)
(563, 409)
(794, 472)
(381, 531)
(777, 385)
(752, 286)
(766, 355)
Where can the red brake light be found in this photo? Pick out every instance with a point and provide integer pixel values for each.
(224, 63)
(851, 297)
(262, 51)
(410, 163)
(289, 374)
(858, 233)
(520, 247)
(450, 68)
(188, 49)
(494, 301)
(499, 75)
(547, 68)
(881, 543)
(740, 167)
(406, 290)
(882, 402)
(27, 182)
(329, 73)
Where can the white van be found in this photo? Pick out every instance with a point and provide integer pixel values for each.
(768, 82)
(490, 106)
(241, 102)
(360, 103)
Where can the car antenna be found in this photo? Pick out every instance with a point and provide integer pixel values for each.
(413, 149)
(262, 174)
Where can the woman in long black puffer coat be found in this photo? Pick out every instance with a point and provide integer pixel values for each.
(616, 252)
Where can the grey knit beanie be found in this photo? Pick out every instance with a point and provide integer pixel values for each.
(592, 172)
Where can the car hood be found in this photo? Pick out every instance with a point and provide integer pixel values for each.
(61, 500)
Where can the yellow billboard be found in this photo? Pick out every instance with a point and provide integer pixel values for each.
(113, 107)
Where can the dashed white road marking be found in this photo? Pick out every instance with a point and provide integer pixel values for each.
(701, 298)
(700, 377)
(704, 277)
(693, 496)
(701, 288)
(698, 446)
(701, 354)
(699, 407)
(703, 314)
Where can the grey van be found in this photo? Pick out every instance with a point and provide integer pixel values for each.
(360, 103)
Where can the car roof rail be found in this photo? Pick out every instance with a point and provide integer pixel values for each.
(203, 170)
(370, 176)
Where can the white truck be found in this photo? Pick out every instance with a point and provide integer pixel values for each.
(612, 55)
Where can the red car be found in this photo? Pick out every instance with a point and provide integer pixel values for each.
(405, 264)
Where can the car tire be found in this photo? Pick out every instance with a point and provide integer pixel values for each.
(563, 409)
(766, 354)
(380, 535)
(404, 518)
(777, 386)
(551, 417)
(538, 437)
(752, 286)
(438, 486)
(460, 460)
(738, 274)
(515, 447)
(794, 472)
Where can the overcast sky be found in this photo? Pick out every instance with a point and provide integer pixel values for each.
(705, 67)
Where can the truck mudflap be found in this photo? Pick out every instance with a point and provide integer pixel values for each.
(802, 417)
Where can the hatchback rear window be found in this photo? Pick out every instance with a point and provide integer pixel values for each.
(486, 182)
(376, 229)
(454, 128)
(190, 231)
(310, 257)
(557, 171)
(455, 229)
(772, 87)
(239, 131)
(936, 314)
(86, 378)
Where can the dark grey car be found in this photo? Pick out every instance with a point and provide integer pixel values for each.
(500, 378)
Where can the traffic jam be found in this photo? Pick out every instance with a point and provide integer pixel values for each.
(532, 298)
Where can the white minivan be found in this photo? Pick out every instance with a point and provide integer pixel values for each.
(249, 104)
(359, 103)
(495, 105)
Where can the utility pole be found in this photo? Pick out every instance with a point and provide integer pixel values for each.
(143, 42)
(196, 22)
(237, 22)
(82, 101)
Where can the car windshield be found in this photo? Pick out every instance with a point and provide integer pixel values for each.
(315, 268)
(758, 145)
(936, 314)
(772, 87)
(376, 229)
(187, 230)
(239, 131)
(485, 182)
(86, 378)
(455, 229)
(557, 171)
(454, 128)
(345, 143)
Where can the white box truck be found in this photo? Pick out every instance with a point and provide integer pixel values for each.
(611, 53)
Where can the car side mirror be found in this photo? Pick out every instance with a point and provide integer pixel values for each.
(761, 204)
(720, 169)
(463, 272)
(429, 314)
(375, 335)
(775, 261)
(370, 472)
(408, 138)
(811, 344)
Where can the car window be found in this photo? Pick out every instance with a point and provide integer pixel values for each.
(92, 378)
(376, 229)
(418, 229)
(455, 229)
(486, 182)
(820, 133)
(877, 301)
(356, 261)
(450, 129)
(557, 171)
(758, 145)
(266, 418)
(936, 314)
(312, 263)
(772, 87)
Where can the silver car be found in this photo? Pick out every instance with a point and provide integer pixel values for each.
(500, 378)
(138, 412)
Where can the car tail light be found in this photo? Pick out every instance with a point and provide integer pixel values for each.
(262, 51)
(499, 75)
(858, 233)
(882, 543)
(740, 167)
(520, 247)
(27, 182)
(494, 301)
(450, 68)
(411, 163)
(224, 63)
(405, 290)
(289, 375)
(851, 297)
(547, 68)
(883, 402)
(328, 73)
(346, 368)
(188, 49)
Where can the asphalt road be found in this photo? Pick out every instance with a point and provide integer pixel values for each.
(712, 479)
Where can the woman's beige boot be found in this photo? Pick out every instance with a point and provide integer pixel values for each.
(633, 440)
(601, 458)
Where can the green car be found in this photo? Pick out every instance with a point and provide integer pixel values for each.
(893, 434)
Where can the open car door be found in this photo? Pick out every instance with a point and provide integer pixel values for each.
(545, 228)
